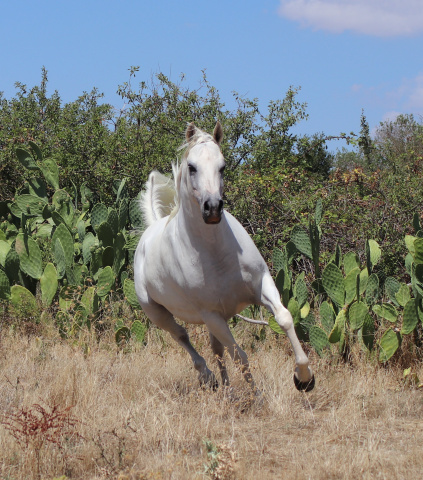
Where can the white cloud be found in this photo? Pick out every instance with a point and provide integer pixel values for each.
(381, 18)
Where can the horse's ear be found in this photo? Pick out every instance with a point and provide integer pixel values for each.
(218, 132)
(190, 131)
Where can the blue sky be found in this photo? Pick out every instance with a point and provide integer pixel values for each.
(346, 55)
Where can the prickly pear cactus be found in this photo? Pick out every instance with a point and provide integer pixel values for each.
(129, 292)
(122, 336)
(333, 283)
(99, 215)
(106, 280)
(138, 331)
(48, 284)
(29, 256)
(389, 344)
(4, 286)
(318, 338)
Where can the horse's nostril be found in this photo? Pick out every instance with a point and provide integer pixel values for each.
(206, 206)
(220, 205)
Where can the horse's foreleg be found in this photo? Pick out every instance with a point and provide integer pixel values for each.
(218, 350)
(270, 298)
(164, 319)
(220, 330)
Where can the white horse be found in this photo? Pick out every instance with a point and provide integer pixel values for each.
(196, 262)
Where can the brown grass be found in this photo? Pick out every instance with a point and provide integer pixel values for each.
(141, 415)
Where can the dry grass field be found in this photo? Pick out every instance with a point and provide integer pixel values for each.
(86, 410)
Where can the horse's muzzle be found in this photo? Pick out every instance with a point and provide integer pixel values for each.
(212, 211)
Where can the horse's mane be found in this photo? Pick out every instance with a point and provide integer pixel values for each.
(161, 195)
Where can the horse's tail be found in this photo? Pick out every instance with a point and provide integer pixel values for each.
(159, 198)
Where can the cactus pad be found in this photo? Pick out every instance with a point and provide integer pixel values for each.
(99, 214)
(338, 329)
(138, 331)
(301, 241)
(49, 284)
(410, 317)
(62, 233)
(333, 283)
(29, 256)
(122, 336)
(351, 261)
(318, 338)
(327, 316)
(356, 315)
(4, 286)
(106, 280)
(129, 292)
(389, 344)
(386, 311)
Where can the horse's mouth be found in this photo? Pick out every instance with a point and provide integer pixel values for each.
(212, 220)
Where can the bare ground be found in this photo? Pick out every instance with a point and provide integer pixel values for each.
(140, 414)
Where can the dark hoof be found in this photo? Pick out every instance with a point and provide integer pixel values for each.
(304, 386)
(212, 384)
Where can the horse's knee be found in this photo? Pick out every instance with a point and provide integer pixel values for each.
(284, 320)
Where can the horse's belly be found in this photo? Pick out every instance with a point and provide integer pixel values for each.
(190, 303)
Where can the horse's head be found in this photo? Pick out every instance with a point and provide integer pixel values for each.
(204, 171)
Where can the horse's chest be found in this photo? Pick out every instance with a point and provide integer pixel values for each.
(195, 283)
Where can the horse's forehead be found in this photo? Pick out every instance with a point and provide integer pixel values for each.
(205, 152)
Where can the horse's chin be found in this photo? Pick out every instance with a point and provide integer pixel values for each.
(212, 220)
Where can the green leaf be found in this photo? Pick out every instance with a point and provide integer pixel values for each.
(301, 240)
(23, 301)
(351, 285)
(372, 290)
(318, 338)
(129, 292)
(294, 309)
(386, 311)
(138, 331)
(319, 211)
(410, 317)
(418, 250)
(122, 336)
(51, 172)
(356, 314)
(106, 280)
(373, 254)
(29, 256)
(4, 286)
(278, 259)
(301, 292)
(25, 158)
(333, 283)
(368, 332)
(392, 286)
(4, 250)
(327, 316)
(389, 344)
(351, 261)
(338, 329)
(49, 284)
(403, 295)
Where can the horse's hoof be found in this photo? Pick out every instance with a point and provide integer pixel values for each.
(210, 383)
(304, 386)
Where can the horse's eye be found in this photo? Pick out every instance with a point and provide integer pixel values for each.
(222, 170)
(192, 169)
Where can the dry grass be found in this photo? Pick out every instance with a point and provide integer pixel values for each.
(141, 415)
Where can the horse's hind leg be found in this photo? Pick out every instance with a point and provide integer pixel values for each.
(220, 330)
(164, 319)
(218, 350)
